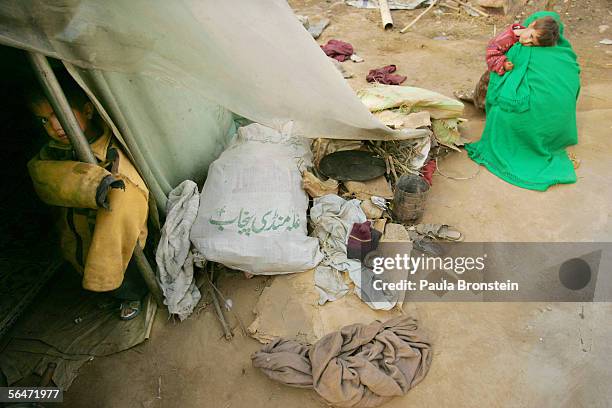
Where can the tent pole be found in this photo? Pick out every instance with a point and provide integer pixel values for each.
(66, 117)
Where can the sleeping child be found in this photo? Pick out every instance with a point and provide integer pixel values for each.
(543, 32)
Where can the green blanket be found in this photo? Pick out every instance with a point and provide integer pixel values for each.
(531, 116)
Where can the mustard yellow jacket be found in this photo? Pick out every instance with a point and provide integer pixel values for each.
(96, 241)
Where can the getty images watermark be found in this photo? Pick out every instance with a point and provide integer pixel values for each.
(412, 264)
(401, 271)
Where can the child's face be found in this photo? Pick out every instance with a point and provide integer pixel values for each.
(44, 113)
(529, 36)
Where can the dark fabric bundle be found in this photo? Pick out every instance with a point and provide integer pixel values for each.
(362, 239)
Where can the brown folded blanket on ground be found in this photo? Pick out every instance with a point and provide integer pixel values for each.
(358, 366)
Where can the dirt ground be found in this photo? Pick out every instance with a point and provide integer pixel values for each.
(493, 355)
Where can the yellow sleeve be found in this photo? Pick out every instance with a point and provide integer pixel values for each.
(66, 183)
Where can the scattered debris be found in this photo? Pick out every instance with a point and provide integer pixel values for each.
(345, 72)
(322, 147)
(317, 29)
(395, 233)
(303, 20)
(470, 10)
(363, 190)
(408, 99)
(451, 5)
(447, 133)
(396, 119)
(464, 95)
(438, 231)
(467, 6)
(603, 28)
(413, 22)
(371, 211)
(393, 4)
(314, 29)
(575, 160)
(226, 329)
(330, 284)
(356, 58)
(385, 14)
(405, 156)
(606, 41)
(315, 187)
(492, 3)
(380, 202)
(379, 225)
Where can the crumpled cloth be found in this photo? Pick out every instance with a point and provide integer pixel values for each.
(332, 218)
(338, 50)
(385, 76)
(358, 366)
(174, 257)
(330, 284)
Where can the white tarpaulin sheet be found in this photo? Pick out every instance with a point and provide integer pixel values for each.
(169, 72)
(252, 57)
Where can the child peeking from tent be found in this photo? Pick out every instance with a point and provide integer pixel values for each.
(101, 209)
(543, 32)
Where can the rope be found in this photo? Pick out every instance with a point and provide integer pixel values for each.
(439, 171)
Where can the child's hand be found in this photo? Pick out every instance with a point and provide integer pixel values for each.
(508, 66)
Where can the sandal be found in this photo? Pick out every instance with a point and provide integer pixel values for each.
(438, 231)
(129, 309)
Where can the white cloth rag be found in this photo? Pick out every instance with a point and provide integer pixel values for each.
(333, 218)
(174, 257)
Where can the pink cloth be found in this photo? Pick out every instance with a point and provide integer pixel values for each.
(385, 75)
(338, 50)
(499, 46)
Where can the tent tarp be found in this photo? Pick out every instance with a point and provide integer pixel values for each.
(168, 72)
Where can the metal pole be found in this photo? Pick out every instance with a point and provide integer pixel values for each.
(66, 117)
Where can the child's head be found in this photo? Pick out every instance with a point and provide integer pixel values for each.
(81, 106)
(544, 32)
